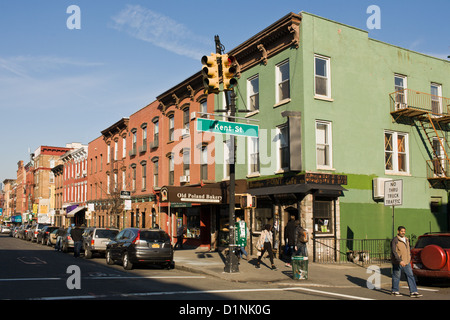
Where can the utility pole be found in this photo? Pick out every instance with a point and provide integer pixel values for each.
(215, 66)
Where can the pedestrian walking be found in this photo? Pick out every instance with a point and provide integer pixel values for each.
(180, 235)
(265, 244)
(59, 237)
(401, 261)
(289, 234)
(77, 237)
(301, 240)
(241, 234)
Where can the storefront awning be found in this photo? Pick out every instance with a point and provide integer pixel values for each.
(73, 212)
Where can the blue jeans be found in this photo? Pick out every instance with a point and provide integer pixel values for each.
(396, 274)
(242, 251)
(77, 248)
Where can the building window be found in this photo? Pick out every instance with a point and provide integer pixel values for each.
(323, 217)
(322, 76)
(144, 174)
(396, 152)
(124, 180)
(283, 148)
(186, 118)
(171, 170)
(253, 155)
(204, 163)
(144, 136)
(116, 150)
(253, 93)
(186, 162)
(108, 156)
(282, 80)
(203, 108)
(226, 158)
(401, 97)
(155, 172)
(124, 147)
(133, 180)
(436, 100)
(323, 145)
(171, 127)
(134, 142)
(156, 131)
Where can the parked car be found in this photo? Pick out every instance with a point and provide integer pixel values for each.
(14, 231)
(5, 230)
(35, 229)
(140, 246)
(96, 239)
(51, 240)
(23, 230)
(43, 235)
(67, 242)
(430, 257)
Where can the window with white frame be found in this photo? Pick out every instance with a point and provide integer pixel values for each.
(322, 78)
(226, 158)
(282, 81)
(396, 152)
(124, 180)
(436, 99)
(171, 127)
(401, 96)
(124, 147)
(108, 155)
(283, 147)
(253, 155)
(324, 148)
(253, 93)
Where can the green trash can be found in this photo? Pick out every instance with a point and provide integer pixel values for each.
(300, 267)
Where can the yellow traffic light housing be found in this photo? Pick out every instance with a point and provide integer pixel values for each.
(229, 70)
(210, 73)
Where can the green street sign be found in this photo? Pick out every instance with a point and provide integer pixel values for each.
(225, 127)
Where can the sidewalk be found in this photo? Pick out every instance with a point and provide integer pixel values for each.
(333, 275)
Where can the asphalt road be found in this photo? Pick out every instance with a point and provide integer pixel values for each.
(30, 271)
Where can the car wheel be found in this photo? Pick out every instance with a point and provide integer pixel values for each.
(87, 253)
(109, 260)
(127, 265)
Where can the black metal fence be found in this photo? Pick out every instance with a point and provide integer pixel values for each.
(360, 251)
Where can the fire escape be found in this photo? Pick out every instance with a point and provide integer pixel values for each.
(430, 114)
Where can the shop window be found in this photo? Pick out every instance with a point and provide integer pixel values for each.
(193, 223)
(323, 216)
(263, 216)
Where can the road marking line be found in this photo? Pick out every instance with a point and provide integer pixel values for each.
(143, 294)
(106, 278)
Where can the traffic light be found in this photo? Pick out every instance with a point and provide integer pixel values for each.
(229, 70)
(210, 73)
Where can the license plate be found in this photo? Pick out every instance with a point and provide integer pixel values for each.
(155, 245)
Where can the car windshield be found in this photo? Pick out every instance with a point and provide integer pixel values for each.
(106, 233)
(154, 236)
(441, 241)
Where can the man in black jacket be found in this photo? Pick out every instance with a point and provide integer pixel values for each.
(77, 237)
(289, 235)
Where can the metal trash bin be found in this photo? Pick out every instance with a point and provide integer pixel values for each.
(300, 267)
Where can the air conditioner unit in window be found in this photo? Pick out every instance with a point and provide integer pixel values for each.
(184, 179)
(185, 132)
(378, 187)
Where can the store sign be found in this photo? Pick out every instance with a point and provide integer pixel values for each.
(225, 127)
(317, 178)
(191, 195)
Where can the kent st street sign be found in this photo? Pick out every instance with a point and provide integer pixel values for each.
(225, 127)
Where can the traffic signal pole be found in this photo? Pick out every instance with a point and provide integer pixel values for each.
(231, 262)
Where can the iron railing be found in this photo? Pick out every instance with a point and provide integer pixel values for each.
(411, 99)
(360, 251)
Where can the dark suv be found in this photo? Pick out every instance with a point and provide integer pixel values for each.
(430, 258)
(140, 246)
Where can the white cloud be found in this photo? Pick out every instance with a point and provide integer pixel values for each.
(162, 31)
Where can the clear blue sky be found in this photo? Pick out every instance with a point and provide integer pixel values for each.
(59, 85)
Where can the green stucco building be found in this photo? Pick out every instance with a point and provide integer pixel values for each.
(339, 113)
